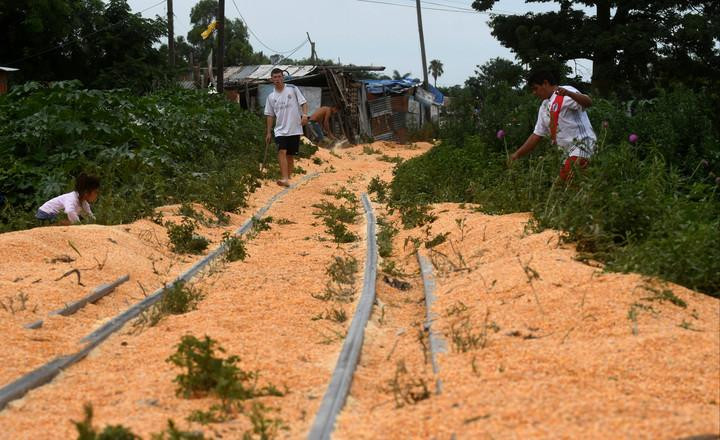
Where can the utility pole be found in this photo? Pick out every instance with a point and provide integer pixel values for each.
(171, 33)
(313, 54)
(422, 46)
(221, 47)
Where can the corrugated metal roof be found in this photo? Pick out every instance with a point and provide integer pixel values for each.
(262, 72)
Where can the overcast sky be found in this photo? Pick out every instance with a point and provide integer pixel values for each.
(364, 33)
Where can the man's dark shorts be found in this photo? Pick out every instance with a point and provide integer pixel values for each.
(289, 143)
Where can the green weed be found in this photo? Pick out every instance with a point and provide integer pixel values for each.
(379, 188)
(183, 238)
(367, 149)
(263, 426)
(113, 432)
(407, 390)
(235, 249)
(335, 219)
(205, 374)
(386, 234)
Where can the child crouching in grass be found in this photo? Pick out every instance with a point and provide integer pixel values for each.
(73, 204)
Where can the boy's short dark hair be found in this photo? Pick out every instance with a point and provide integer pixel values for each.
(540, 76)
(85, 183)
(275, 70)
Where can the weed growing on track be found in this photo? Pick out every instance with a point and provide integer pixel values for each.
(335, 219)
(342, 193)
(407, 390)
(284, 221)
(379, 188)
(336, 315)
(264, 427)
(367, 149)
(385, 237)
(178, 299)
(87, 432)
(234, 248)
(395, 160)
(464, 334)
(664, 295)
(341, 286)
(183, 237)
(207, 374)
(17, 303)
(187, 210)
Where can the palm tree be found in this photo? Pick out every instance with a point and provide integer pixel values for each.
(397, 75)
(435, 69)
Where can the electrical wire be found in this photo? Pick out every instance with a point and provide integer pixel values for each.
(444, 8)
(255, 35)
(61, 45)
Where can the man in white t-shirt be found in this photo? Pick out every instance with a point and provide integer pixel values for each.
(563, 119)
(288, 109)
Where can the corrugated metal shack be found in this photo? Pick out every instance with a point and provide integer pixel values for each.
(321, 85)
(395, 106)
(369, 109)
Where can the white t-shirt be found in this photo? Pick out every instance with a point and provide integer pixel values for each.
(575, 135)
(285, 107)
(68, 203)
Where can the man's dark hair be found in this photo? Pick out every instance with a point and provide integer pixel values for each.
(540, 76)
(276, 70)
(85, 184)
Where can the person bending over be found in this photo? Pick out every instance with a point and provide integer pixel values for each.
(562, 118)
(73, 204)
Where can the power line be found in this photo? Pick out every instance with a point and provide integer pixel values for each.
(444, 8)
(61, 45)
(291, 54)
(258, 38)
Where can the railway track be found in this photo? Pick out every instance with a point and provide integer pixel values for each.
(45, 373)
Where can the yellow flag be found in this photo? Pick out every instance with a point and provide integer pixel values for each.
(211, 27)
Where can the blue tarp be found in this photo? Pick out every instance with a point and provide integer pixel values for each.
(380, 86)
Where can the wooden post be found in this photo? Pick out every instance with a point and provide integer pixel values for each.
(313, 54)
(426, 84)
(171, 34)
(221, 47)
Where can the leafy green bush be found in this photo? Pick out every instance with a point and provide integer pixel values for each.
(205, 373)
(235, 248)
(183, 237)
(150, 150)
(651, 207)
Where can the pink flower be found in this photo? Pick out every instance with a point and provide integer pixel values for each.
(605, 124)
(633, 138)
(500, 134)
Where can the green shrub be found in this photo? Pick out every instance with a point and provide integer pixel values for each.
(234, 248)
(148, 150)
(651, 207)
(183, 238)
(112, 432)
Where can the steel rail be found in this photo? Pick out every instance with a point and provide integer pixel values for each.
(95, 295)
(44, 374)
(339, 386)
(437, 343)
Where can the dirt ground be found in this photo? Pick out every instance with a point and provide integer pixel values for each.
(539, 344)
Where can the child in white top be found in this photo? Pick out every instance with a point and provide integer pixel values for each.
(73, 204)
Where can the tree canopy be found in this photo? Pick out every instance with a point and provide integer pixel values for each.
(102, 44)
(633, 44)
